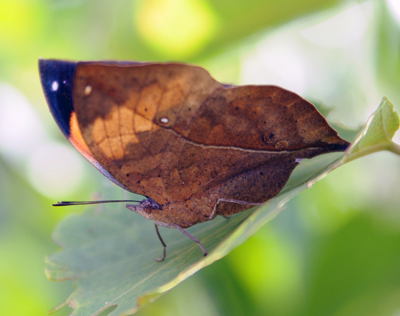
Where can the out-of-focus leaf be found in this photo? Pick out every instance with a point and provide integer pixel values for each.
(377, 134)
(354, 272)
(211, 25)
(387, 55)
(109, 252)
(241, 18)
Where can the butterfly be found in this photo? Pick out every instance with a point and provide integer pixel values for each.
(193, 147)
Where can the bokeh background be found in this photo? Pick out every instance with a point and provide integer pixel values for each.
(334, 251)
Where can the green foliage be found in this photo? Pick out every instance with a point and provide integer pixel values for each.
(378, 133)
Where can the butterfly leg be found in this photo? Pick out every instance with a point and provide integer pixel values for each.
(162, 242)
(192, 238)
(156, 224)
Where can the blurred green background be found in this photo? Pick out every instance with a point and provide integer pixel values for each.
(334, 251)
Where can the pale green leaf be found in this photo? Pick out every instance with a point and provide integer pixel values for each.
(377, 134)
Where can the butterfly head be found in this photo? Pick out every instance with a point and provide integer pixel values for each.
(147, 208)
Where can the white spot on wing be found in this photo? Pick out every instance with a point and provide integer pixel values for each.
(88, 89)
(54, 86)
(164, 120)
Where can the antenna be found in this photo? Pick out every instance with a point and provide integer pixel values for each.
(69, 203)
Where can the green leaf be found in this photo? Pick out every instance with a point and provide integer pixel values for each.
(238, 18)
(377, 134)
(109, 252)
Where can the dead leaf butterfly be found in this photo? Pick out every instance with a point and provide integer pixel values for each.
(195, 148)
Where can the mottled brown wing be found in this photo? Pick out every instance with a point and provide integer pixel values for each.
(171, 132)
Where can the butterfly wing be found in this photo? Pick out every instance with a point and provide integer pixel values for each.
(172, 132)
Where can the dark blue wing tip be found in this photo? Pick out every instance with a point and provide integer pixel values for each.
(57, 81)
